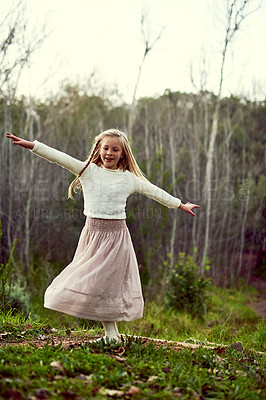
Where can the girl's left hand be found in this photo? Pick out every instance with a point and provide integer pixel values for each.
(188, 207)
(20, 142)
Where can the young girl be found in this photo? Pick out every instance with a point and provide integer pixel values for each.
(102, 282)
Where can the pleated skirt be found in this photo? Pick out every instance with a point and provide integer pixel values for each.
(102, 282)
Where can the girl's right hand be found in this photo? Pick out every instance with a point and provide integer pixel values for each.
(188, 207)
(20, 142)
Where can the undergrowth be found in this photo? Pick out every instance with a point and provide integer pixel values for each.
(137, 368)
(228, 319)
(133, 370)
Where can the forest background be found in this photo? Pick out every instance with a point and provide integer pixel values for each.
(201, 147)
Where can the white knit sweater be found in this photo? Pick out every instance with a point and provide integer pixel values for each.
(105, 190)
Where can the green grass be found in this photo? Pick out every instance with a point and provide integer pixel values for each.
(227, 319)
(138, 369)
(164, 373)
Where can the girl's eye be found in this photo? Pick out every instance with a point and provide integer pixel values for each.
(107, 148)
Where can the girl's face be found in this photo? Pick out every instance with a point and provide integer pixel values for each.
(111, 152)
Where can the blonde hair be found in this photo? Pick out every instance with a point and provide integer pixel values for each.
(127, 162)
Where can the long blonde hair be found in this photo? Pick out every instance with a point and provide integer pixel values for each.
(127, 162)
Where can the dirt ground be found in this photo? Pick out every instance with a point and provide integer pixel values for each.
(74, 340)
(260, 304)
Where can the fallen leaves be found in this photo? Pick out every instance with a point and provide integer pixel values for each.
(13, 394)
(71, 340)
(131, 391)
(57, 366)
(152, 380)
(85, 378)
(24, 332)
(236, 346)
(110, 392)
(114, 372)
(120, 359)
(42, 393)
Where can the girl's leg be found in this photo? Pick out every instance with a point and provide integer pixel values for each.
(111, 331)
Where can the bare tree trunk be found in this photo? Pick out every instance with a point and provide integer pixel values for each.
(244, 213)
(208, 184)
(148, 48)
(16, 49)
(15, 52)
(147, 141)
(236, 13)
(223, 235)
(160, 142)
(173, 174)
(9, 162)
(32, 162)
(29, 128)
(174, 191)
(195, 154)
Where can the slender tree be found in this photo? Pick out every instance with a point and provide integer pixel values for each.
(148, 46)
(16, 46)
(16, 49)
(237, 12)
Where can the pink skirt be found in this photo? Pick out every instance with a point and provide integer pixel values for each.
(102, 282)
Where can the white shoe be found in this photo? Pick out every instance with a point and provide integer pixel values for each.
(109, 339)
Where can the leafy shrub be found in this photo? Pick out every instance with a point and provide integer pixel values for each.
(19, 298)
(6, 270)
(186, 289)
(13, 295)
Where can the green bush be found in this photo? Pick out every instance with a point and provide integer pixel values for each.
(6, 270)
(186, 289)
(13, 294)
(19, 298)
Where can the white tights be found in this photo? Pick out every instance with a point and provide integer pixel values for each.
(111, 331)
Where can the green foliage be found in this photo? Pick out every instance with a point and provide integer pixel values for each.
(19, 298)
(160, 370)
(137, 369)
(6, 270)
(18, 327)
(13, 294)
(186, 289)
(228, 319)
(71, 119)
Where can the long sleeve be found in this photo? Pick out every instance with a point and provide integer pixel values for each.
(154, 192)
(58, 157)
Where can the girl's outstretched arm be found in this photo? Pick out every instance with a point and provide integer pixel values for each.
(49, 154)
(188, 207)
(20, 142)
